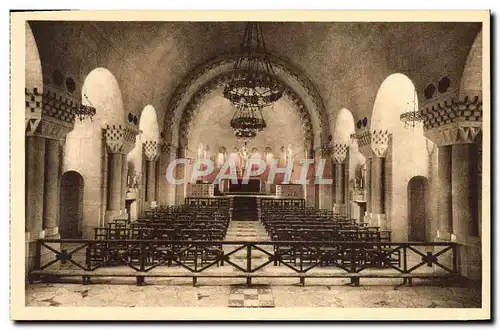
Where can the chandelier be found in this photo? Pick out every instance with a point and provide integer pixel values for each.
(85, 111)
(412, 117)
(247, 122)
(255, 83)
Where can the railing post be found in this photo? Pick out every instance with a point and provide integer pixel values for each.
(249, 264)
(354, 279)
(455, 258)
(405, 264)
(38, 255)
(142, 262)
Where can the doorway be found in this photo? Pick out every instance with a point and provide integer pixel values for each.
(417, 215)
(71, 205)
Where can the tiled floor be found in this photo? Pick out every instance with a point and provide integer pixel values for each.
(232, 293)
(253, 296)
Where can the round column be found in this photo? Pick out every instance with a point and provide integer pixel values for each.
(377, 185)
(124, 173)
(115, 181)
(51, 187)
(464, 191)
(368, 185)
(444, 204)
(150, 180)
(35, 166)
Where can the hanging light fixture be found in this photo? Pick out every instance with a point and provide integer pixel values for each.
(85, 111)
(255, 83)
(411, 118)
(247, 122)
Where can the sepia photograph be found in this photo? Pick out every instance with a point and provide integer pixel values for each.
(284, 165)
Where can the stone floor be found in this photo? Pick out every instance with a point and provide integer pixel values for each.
(264, 293)
(271, 293)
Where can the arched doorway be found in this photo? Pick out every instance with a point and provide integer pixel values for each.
(71, 205)
(417, 217)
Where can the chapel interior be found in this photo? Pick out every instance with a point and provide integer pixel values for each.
(391, 111)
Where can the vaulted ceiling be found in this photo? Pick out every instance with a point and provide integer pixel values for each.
(346, 62)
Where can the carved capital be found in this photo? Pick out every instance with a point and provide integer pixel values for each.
(450, 121)
(48, 114)
(151, 150)
(120, 138)
(326, 150)
(166, 147)
(372, 143)
(340, 152)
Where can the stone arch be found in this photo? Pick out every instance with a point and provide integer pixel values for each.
(33, 64)
(148, 124)
(471, 82)
(344, 127)
(396, 95)
(218, 71)
(101, 90)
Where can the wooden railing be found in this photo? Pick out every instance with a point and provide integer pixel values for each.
(280, 259)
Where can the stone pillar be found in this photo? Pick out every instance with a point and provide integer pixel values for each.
(368, 185)
(179, 174)
(120, 140)
(377, 193)
(124, 189)
(456, 126)
(150, 180)
(325, 190)
(35, 164)
(45, 128)
(445, 227)
(151, 153)
(464, 191)
(340, 154)
(464, 205)
(115, 182)
(51, 188)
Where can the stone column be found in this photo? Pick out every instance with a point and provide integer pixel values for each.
(179, 174)
(120, 140)
(445, 227)
(124, 189)
(325, 190)
(115, 182)
(51, 188)
(456, 127)
(35, 164)
(340, 154)
(464, 191)
(45, 129)
(377, 193)
(368, 185)
(151, 153)
(150, 180)
(379, 143)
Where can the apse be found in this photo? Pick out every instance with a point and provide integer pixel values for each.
(211, 126)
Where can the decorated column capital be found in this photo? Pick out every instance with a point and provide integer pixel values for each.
(166, 147)
(151, 150)
(372, 143)
(449, 121)
(326, 150)
(340, 152)
(120, 138)
(50, 114)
